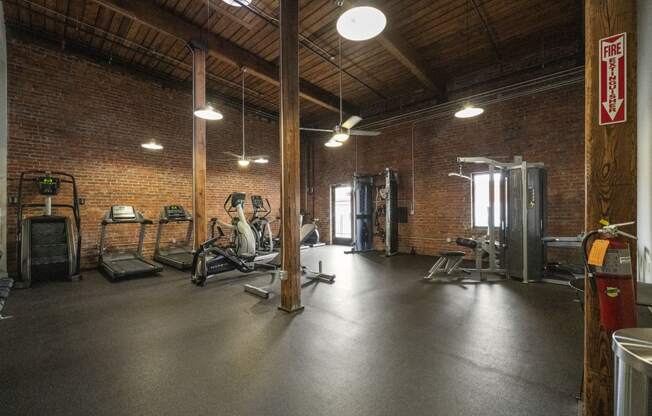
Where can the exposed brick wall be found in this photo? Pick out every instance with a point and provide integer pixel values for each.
(70, 114)
(546, 127)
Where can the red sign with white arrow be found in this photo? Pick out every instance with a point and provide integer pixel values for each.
(613, 79)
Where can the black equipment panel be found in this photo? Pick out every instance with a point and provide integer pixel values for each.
(238, 198)
(48, 185)
(257, 201)
(123, 212)
(175, 212)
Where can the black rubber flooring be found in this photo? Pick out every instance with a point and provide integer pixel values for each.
(377, 342)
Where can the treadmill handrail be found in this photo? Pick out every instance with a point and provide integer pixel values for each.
(107, 220)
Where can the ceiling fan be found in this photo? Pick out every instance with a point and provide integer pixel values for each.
(343, 130)
(243, 159)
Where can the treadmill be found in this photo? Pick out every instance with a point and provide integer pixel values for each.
(123, 263)
(178, 255)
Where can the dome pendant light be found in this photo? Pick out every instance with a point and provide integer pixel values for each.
(361, 23)
(152, 145)
(237, 3)
(207, 111)
(469, 111)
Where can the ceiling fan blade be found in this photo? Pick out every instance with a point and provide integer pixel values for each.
(233, 155)
(252, 158)
(319, 130)
(351, 122)
(364, 133)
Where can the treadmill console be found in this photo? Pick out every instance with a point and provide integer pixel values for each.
(175, 212)
(238, 198)
(48, 185)
(123, 213)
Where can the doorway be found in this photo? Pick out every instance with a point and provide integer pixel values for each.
(342, 214)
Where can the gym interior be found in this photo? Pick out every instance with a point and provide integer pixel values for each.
(318, 207)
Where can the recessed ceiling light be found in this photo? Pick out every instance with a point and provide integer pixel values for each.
(236, 3)
(333, 143)
(361, 23)
(152, 145)
(207, 112)
(469, 111)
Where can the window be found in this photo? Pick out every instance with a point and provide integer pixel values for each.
(480, 200)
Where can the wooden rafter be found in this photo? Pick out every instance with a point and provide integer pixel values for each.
(148, 13)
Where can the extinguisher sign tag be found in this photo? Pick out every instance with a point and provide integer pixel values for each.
(613, 79)
(617, 262)
(598, 252)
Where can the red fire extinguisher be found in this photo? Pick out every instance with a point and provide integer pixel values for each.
(610, 273)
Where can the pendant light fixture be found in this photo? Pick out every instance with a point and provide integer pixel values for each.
(243, 162)
(469, 110)
(207, 111)
(237, 3)
(242, 158)
(361, 23)
(152, 145)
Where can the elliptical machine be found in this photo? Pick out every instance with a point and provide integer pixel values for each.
(309, 234)
(210, 260)
(265, 240)
(47, 246)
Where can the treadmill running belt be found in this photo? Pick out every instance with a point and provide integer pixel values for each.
(130, 266)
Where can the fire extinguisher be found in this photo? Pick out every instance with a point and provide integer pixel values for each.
(610, 273)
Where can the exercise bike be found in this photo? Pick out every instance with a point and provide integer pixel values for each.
(210, 260)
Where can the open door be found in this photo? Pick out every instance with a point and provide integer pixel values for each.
(342, 214)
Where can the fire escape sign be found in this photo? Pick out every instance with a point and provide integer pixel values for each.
(613, 79)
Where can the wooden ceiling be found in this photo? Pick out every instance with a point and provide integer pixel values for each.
(426, 44)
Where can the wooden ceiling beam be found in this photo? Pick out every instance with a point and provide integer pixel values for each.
(406, 55)
(148, 13)
(401, 50)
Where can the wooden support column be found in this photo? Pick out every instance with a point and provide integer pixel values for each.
(610, 157)
(290, 156)
(200, 227)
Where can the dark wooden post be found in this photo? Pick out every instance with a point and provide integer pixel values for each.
(610, 157)
(200, 226)
(290, 156)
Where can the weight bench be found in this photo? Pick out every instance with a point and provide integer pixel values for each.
(446, 266)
